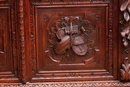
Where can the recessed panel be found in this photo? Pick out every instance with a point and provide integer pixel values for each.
(5, 44)
(71, 38)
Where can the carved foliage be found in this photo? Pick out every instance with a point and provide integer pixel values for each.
(125, 71)
(125, 7)
(125, 33)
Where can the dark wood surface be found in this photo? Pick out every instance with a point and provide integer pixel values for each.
(64, 41)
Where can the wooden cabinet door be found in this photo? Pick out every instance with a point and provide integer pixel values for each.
(74, 41)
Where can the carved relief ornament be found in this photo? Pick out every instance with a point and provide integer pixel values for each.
(69, 36)
(125, 7)
(125, 33)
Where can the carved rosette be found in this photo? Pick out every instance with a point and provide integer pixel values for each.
(125, 33)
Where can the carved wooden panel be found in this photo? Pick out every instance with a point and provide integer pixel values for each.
(8, 54)
(72, 41)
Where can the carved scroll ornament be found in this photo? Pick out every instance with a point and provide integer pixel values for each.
(125, 33)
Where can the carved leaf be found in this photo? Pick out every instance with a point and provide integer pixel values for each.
(124, 5)
(123, 34)
(126, 16)
(127, 30)
(122, 74)
(128, 67)
(128, 8)
(128, 37)
(124, 67)
(125, 43)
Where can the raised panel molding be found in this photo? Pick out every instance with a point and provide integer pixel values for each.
(1, 37)
(8, 53)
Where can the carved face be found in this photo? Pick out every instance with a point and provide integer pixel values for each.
(79, 46)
